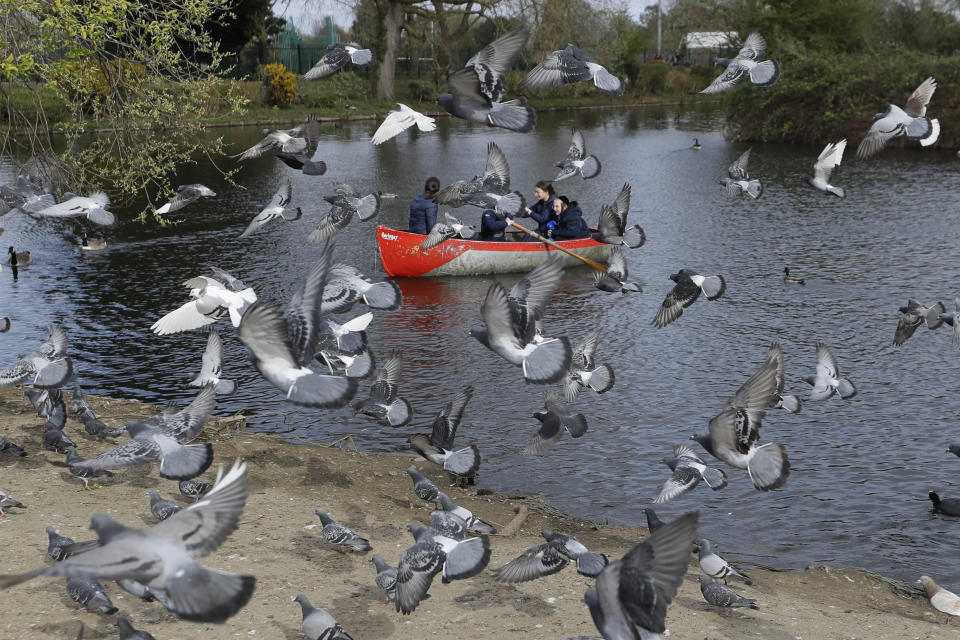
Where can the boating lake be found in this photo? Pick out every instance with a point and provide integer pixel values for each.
(861, 468)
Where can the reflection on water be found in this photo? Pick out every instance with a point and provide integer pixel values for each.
(861, 469)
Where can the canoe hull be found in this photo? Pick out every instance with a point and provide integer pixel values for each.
(401, 255)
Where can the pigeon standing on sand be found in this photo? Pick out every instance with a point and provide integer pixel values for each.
(85, 472)
(89, 593)
(127, 632)
(424, 488)
(720, 595)
(399, 120)
(614, 279)
(336, 533)
(550, 557)
(577, 160)
(186, 194)
(56, 544)
(93, 207)
(386, 578)
(612, 223)
(7, 502)
(194, 488)
(13, 449)
(211, 300)
(48, 367)
(688, 288)
(946, 506)
(653, 522)
(450, 228)
(437, 447)
(337, 57)
(385, 404)
(827, 380)
(941, 599)
(473, 523)
(747, 64)
(570, 65)
(584, 372)
(318, 624)
(911, 121)
(54, 438)
(828, 160)
(275, 210)
(716, 567)
(554, 420)
(738, 179)
(632, 595)
(162, 508)
(211, 367)
(476, 90)
(84, 412)
(688, 469)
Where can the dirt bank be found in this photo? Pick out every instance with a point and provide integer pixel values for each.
(278, 541)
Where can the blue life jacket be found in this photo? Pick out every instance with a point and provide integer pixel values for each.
(423, 215)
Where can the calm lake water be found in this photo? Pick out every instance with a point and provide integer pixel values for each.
(861, 468)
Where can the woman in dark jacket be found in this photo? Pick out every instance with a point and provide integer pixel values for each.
(542, 209)
(569, 220)
(423, 210)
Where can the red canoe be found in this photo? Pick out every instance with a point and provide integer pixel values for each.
(401, 255)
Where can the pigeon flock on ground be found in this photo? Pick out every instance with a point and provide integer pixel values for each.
(315, 356)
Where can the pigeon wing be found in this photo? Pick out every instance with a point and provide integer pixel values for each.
(734, 74)
(465, 87)
(760, 389)
(185, 318)
(683, 479)
(384, 390)
(263, 330)
(493, 62)
(583, 354)
(303, 310)
(529, 297)
(539, 561)
(210, 361)
(753, 47)
(829, 159)
(418, 565)
(826, 363)
(439, 233)
(559, 68)
(621, 206)
(335, 58)
(496, 175)
(916, 106)
(396, 122)
(446, 422)
(738, 170)
(578, 148)
(330, 225)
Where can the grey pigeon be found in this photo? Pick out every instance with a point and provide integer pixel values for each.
(282, 344)
(477, 89)
(688, 288)
(211, 300)
(509, 324)
(357, 365)
(438, 446)
(84, 413)
(473, 523)
(570, 65)
(716, 567)
(350, 337)
(578, 161)
(13, 449)
(584, 372)
(347, 286)
(48, 367)
(789, 403)
(275, 210)
(688, 469)
(720, 595)
(614, 279)
(332, 224)
(653, 522)
(93, 207)
(550, 557)
(738, 179)
(747, 64)
(194, 488)
(211, 367)
(632, 595)
(56, 544)
(85, 472)
(348, 198)
(612, 223)
(556, 418)
(735, 432)
(828, 160)
(186, 194)
(827, 380)
(914, 314)
(384, 403)
(127, 632)
(162, 556)
(336, 533)
(495, 179)
(294, 147)
(184, 424)
(161, 508)
(399, 120)
(423, 487)
(54, 438)
(911, 121)
(318, 624)
(7, 502)
(337, 57)
(451, 227)
(938, 315)
(386, 578)
(948, 506)
(89, 593)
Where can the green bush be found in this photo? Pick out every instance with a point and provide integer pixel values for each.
(55, 109)
(651, 78)
(336, 90)
(422, 90)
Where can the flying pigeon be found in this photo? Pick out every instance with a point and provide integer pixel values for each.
(276, 210)
(162, 556)
(495, 179)
(294, 147)
(337, 57)
(211, 300)
(577, 160)
(89, 593)
(688, 469)
(210, 369)
(716, 567)
(49, 404)
(56, 544)
(357, 365)
(476, 90)
(720, 595)
(349, 337)
(48, 367)
(182, 425)
(451, 228)
(424, 488)
(94, 207)
(941, 599)
(688, 288)
(399, 120)
(612, 223)
(550, 557)
(828, 160)
(584, 372)
(318, 624)
(186, 194)
(127, 632)
(948, 506)
(194, 488)
(13, 449)
(438, 446)
(913, 315)
(735, 433)
(510, 319)
(569, 65)
(614, 279)
(348, 198)
(746, 64)
(952, 318)
(386, 578)
(161, 508)
(385, 403)
(738, 179)
(283, 344)
(27, 194)
(473, 522)
(911, 121)
(7, 502)
(632, 594)
(789, 403)
(827, 380)
(336, 533)
(556, 419)
(347, 285)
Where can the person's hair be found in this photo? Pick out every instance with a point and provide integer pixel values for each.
(565, 200)
(432, 186)
(547, 186)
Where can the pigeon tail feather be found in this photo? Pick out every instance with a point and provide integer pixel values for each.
(837, 191)
(790, 403)
(513, 117)
(548, 362)
(920, 129)
(464, 462)
(383, 295)
(846, 389)
(591, 167)
(716, 479)
(634, 237)
(200, 594)
(317, 390)
(602, 378)
(769, 467)
(399, 412)
(765, 73)
(933, 135)
(608, 83)
(54, 375)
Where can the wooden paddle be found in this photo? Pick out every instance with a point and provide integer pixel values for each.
(595, 265)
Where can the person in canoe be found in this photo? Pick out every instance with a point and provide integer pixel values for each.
(493, 223)
(542, 209)
(568, 222)
(423, 210)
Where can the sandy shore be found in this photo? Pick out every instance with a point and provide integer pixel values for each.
(279, 542)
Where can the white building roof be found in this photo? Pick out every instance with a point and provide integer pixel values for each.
(708, 39)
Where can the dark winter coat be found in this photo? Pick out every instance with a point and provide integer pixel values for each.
(492, 225)
(572, 225)
(542, 212)
(423, 215)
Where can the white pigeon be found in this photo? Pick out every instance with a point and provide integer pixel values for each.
(827, 380)
(400, 120)
(911, 121)
(211, 300)
(940, 598)
(94, 207)
(276, 209)
(747, 64)
(186, 194)
(828, 160)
